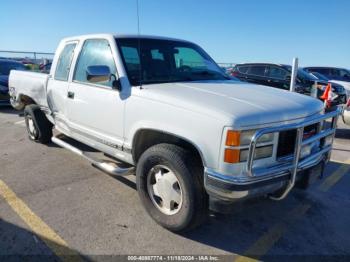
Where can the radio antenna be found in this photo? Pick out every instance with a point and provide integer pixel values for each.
(139, 42)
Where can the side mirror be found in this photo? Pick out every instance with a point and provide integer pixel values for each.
(98, 73)
(116, 83)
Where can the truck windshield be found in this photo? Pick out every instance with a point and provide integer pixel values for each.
(163, 61)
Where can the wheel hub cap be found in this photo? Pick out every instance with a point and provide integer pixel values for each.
(31, 128)
(164, 190)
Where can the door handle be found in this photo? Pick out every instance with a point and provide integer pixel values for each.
(70, 95)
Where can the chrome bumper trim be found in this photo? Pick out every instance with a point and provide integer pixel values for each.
(293, 169)
(290, 166)
(278, 171)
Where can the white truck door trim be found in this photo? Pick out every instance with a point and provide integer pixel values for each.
(95, 110)
(57, 89)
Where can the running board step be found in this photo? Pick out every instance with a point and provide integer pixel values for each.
(109, 167)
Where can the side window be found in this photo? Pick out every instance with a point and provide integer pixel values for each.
(64, 62)
(94, 52)
(258, 70)
(323, 71)
(344, 73)
(243, 69)
(276, 72)
(335, 72)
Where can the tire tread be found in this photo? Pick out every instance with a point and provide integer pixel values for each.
(43, 124)
(182, 158)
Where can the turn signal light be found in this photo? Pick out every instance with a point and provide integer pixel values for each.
(233, 138)
(231, 155)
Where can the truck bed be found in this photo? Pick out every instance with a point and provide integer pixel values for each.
(30, 84)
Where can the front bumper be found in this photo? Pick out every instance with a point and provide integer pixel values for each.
(281, 175)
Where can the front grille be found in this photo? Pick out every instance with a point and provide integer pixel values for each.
(286, 141)
(310, 130)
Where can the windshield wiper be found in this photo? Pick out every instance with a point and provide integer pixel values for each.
(204, 72)
(210, 73)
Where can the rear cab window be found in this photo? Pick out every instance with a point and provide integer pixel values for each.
(64, 62)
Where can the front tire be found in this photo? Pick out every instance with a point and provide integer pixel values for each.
(39, 128)
(170, 186)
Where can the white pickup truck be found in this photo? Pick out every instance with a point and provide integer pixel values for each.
(161, 107)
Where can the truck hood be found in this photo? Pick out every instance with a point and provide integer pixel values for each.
(243, 104)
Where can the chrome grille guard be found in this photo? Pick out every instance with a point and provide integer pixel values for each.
(295, 163)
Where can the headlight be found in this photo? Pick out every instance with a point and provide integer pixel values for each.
(305, 151)
(242, 139)
(327, 141)
(260, 152)
(236, 138)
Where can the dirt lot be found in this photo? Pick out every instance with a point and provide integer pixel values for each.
(74, 208)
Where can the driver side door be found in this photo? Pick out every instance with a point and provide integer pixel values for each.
(95, 110)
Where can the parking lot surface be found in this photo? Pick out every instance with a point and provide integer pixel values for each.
(53, 202)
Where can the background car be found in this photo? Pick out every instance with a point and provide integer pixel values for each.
(5, 67)
(345, 84)
(332, 73)
(279, 76)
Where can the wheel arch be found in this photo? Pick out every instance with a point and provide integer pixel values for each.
(146, 137)
(21, 101)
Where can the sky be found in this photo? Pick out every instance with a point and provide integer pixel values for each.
(231, 31)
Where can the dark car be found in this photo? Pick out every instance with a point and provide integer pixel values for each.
(332, 73)
(5, 67)
(279, 76)
(319, 76)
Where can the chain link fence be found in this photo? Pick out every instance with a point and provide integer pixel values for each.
(32, 60)
(226, 65)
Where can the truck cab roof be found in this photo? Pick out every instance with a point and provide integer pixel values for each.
(120, 36)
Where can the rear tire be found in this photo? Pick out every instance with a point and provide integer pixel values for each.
(170, 186)
(39, 128)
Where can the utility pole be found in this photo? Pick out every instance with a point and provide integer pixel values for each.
(294, 74)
